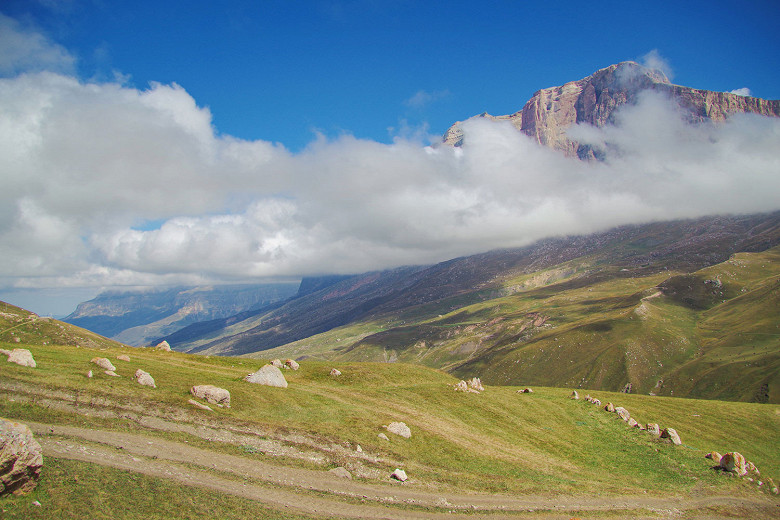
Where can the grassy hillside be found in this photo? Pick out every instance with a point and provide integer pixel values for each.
(713, 333)
(499, 441)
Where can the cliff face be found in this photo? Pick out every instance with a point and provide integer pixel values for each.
(593, 100)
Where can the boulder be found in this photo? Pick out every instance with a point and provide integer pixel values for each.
(610, 407)
(123, 357)
(22, 356)
(144, 378)
(277, 363)
(335, 372)
(734, 462)
(212, 394)
(476, 384)
(341, 472)
(104, 363)
(574, 395)
(291, 363)
(715, 456)
(632, 422)
(462, 386)
(671, 434)
(596, 402)
(268, 375)
(400, 428)
(399, 474)
(527, 390)
(20, 458)
(163, 345)
(622, 413)
(200, 405)
(752, 468)
(383, 437)
(653, 428)
(111, 373)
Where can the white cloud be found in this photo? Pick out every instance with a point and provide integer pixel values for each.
(423, 98)
(654, 60)
(24, 49)
(744, 91)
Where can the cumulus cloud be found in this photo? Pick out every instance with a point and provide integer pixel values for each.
(654, 60)
(744, 91)
(423, 98)
(109, 185)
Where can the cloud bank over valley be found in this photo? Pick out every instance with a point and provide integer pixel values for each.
(106, 184)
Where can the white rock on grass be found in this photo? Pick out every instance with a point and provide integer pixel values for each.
(123, 357)
(104, 363)
(383, 437)
(200, 405)
(399, 474)
(23, 357)
(111, 373)
(144, 378)
(212, 394)
(268, 375)
(335, 372)
(291, 363)
(163, 345)
(399, 428)
(671, 434)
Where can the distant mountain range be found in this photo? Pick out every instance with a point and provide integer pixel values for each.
(138, 317)
(684, 308)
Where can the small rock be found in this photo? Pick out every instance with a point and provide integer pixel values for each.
(335, 372)
(400, 428)
(103, 363)
(277, 363)
(268, 375)
(123, 357)
(23, 357)
(715, 456)
(733, 462)
(144, 378)
(111, 373)
(399, 474)
(528, 390)
(359, 449)
(341, 472)
(610, 407)
(89, 374)
(383, 437)
(632, 422)
(462, 386)
(200, 405)
(653, 429)
(671, 434)
(291, 363)
(36, 504)
(476, 384)
(212, 394)
(163, 345)
(575, 395)
(596, 402)
(622, 413)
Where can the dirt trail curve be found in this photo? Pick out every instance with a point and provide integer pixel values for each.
(318, 493)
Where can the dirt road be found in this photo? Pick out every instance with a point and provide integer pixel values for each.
(320, 493)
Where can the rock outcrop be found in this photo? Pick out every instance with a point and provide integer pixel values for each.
(21, 356)
(20, 458)
(212, 394)
(268, 375)
(734, 462)
(550, 112)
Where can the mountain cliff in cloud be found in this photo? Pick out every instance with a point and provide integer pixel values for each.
(552, 112)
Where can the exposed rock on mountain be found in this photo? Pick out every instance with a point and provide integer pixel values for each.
(552, 111)
(20, 458)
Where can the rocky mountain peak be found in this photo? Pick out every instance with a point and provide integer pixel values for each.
(551, 111)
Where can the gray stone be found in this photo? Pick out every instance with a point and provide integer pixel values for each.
(23, 357)
(399, 474)
(400, 428)
(671, 434)
(144, 378)
(212, 394)
(268, 375)
(21, 459)
(104, 363)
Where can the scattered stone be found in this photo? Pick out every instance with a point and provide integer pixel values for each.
(23, 357)
(399, 474)
(36, 503)
(383, 437)
(527, 390)
(111, 373)
(200, 405)
(359, 449)
(144, 378)
(715, 456)
(89, 374)
(399, 428)
(752, 468)
(575, 395)
(20, 458)
(671, 434)
(771, 485)
(341, 472)
(277, 363)
(212, 394)
(163, 345)
(268, 375)
(596, 402)
(476, 384)
(622, 413)
(103, 363)
(632, 422)
(610, 407)
(462, 386)
(291, 363)
(335, 372)
(733, 462)
(653, 428)
(123, 357)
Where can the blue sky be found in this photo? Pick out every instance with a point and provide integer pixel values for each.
(153, 143)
